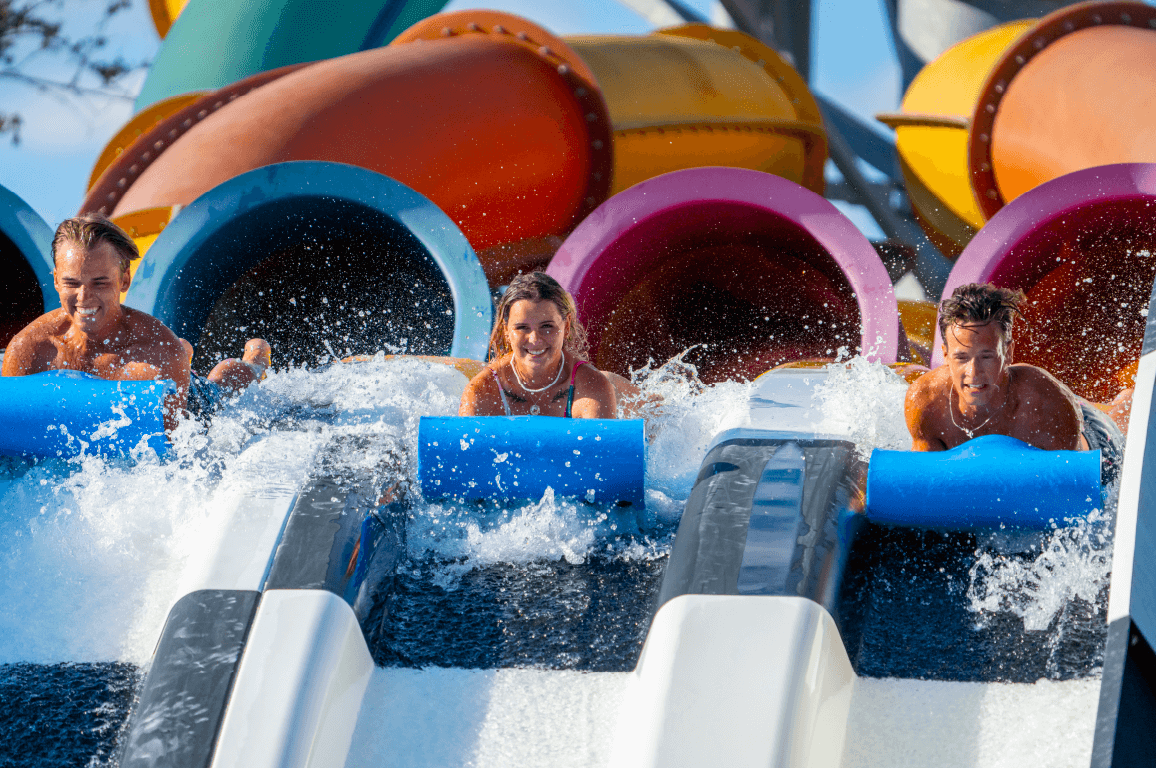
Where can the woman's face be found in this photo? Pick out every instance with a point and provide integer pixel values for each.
(536, 332)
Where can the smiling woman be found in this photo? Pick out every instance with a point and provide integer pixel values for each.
(536, 364)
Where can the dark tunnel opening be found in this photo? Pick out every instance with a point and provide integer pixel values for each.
(21, 301)
(339, 279)
(748, 292)
(1087, 302)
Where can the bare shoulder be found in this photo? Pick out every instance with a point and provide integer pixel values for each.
(591, 379)
(147, 328)
(484, 380)
(481, 396)
(1048, 410)
(1035, 380)
(595, 397)
(31, 349)
(1038, 388)
(922, 409)
(927, 388)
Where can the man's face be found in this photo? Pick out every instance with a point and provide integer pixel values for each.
(90, 283)
(978, 360)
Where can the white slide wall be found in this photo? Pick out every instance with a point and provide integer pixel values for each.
(737, 681)
(299, 685)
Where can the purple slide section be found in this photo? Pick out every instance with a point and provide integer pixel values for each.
(632, 234)
(1019, 245)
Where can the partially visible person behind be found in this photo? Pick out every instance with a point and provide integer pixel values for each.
(979, 391)
(536, 359)
(92, 331)
(228, 377)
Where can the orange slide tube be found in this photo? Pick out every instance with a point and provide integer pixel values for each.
(1024, 103)
(500, 123)
(502, 128)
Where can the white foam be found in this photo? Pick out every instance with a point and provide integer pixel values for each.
(865, 399)
(94, 550)
(483, 718)
(907, 723)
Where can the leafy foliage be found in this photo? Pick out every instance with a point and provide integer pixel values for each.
(33, 41)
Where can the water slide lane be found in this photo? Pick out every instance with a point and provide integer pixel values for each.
(26, 253)
(1081, 248)
(756, 269)
(1127, 706)
(274, 253)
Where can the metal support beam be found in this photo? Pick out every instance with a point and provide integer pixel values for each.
(783, 24)
(931, 267)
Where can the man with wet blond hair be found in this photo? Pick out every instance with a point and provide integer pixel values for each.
(92, 331)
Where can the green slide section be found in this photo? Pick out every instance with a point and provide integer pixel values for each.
(215, 43)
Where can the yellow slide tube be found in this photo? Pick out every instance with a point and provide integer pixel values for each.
(696, 95)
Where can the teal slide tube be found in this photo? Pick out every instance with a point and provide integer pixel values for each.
(213, 44)
(235, 227)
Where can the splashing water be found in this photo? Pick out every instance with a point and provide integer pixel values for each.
(868, 398)
(1038, 581)
(95, 549)
(1074, 563)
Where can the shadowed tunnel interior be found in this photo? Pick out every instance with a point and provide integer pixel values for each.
(20, 299)
(338, 279)
(747, 289)
(1087, 288)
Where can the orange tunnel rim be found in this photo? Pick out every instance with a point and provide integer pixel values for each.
(1049, 29)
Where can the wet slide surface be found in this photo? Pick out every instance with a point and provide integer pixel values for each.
(507, 604)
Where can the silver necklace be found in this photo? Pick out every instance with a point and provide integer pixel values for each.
(971, 432)
(534, 409)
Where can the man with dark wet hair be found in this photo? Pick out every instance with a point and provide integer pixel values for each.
(979, 391)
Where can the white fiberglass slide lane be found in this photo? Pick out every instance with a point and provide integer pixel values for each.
(1124, 545)
(737, 681)
(299, 685)
(487, 718)
(903, 723)
(239, 543)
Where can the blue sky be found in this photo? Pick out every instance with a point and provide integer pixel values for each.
(62, 136)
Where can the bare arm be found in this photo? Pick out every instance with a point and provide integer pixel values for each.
(916, 411)
(161, 357)
(481, 396)
(20, 356)
(597, 399)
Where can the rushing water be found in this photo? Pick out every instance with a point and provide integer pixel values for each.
(95, 550)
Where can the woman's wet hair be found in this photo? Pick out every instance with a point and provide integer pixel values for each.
(91, 229)
(538, 286)
(980, 304)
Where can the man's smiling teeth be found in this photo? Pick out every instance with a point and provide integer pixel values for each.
(88, 312)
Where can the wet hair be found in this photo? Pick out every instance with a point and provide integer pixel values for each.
(980, 304)
(89, 230)
(538, 286)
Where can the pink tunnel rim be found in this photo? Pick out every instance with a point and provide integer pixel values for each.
(1037, 209)
(580, 268)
